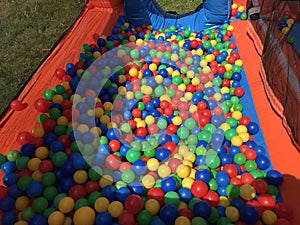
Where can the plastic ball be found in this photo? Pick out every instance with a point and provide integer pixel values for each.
(101, 204)
(199, 189)
(104, 218)
(269, 217)
(84, 216)
(249, 215)
(66, 205)
(56, 218)
(168, 214)
(152, 206)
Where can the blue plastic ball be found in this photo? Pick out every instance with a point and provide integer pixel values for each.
(168, 213)
(9, 218)
(139, 167)
(57, 146)
(38, 219)
(7, 204)
(203, 175)
(253, 128)
(122, 193)
(202, 209)
(104, 218)
(262, 162)
(168, 184)
(113, 134)
(274, 177)
(8, 167)
(136, 187)
(185, 194)
(28, 150)
(109, 192)
(162, 154)
(222, 179)
(249, 214)
(10, 179)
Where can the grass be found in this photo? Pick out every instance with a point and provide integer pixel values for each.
(30, 28)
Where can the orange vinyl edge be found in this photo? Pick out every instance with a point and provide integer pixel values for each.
(284, 155)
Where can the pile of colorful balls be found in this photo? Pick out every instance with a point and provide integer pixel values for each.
(146, 128)
(238, 12)
(285, 24)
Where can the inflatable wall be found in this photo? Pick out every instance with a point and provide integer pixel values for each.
(207, 15)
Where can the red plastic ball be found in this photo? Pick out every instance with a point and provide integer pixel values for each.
(17, 105)
(92, 186)
(187, 213)
(125, 166)
(232, 45)
(260, 186)
(152, 129)
(231, 170)
(112, 162)
(42, 105)
(157, 194)
(171, 146)
(59, 73)
(114, 145)
(141, 131)
(133, 204)
(65, 139)
(226, 83)
(126, 218)
(46, 166)
(199, 189)
(77, 191)
(212, 198)
(24, 138)
(239, 92)
(49, 124)
(171, 129)
(267, 201)
(146, 99)
(247, 178)
(236, 181)
(244, 120)
(250, 154)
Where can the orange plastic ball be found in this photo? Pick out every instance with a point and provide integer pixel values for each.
(66, 204)
(56, 218)
(84, 216)
(115, 209)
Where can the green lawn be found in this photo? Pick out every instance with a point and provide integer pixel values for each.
(29, 30)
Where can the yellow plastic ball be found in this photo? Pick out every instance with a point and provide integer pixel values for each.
(115, 209)
(21, 203)
(104, 119)
(224, 201)
(203, 63)
(193, 108)
(133, 72)
(21, 222)
(199, 52)
(96, 131)
(149, 120)
(108, 106)
(132, 38)
(174, 57)
(232, 213)
(182, 205)
(177, 120)
(269, 217)
(153, 67)
(208, 84)
(234, 6)
(56, 218)
(225, 90)
(193, 173)
(164, 171)
(84, 216)
(36, 175)
(66, 204)
(285, 30)
(213, 43)
(206, 69)
(105, 180)
(159, 79)
(139, 42)
(153, 206)
(190, 156)
(236, 141)
(62, 120)
(152, 164)
(98, 112)
(187, 182)
(183, 149)
(228, 67)
(217, 97)
(147, 90)
(57, 99)
(80, 176)
(101, 204)
(241, 9)
(241, 129)
(96, 54)
(183, 171)
(148, 181)
(38, 132)
(290, 22)
(187, 163)
(182, 220)
(41, 152)
(247, 192)
(121, 79)
(83, 128)
(190, 74)
(230, 27)
(244, 136)
(195, 81)
(121, 90)
(238, 62)
(237, 115)
(181, 87)
(141, 123)
(165, 98)
(177, 156)
(33, 164)
(126, 25)
(65, 85)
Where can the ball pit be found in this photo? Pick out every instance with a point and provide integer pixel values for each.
(152, 132)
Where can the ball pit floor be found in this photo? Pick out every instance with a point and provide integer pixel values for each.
(165, 202)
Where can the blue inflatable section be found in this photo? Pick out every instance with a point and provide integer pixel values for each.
(208, 15)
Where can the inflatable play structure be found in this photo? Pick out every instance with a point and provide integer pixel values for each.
(141, 116)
